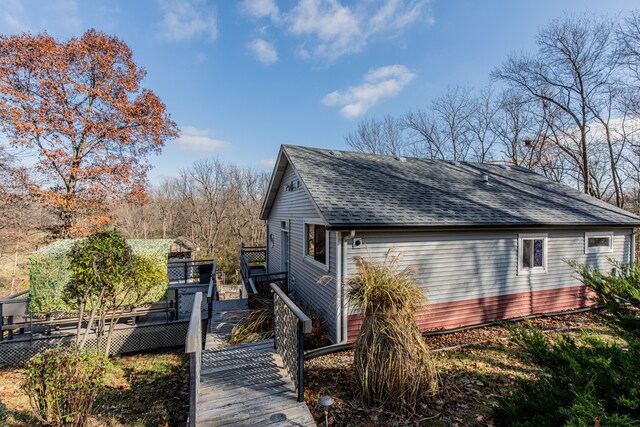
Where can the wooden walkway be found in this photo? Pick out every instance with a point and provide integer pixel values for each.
(245, 384)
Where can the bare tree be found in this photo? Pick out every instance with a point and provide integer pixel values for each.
(573, 66)
(214, 204)
(443, 132)
(482, 126)
(379, 137)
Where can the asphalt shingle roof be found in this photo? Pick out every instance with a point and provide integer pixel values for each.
(360, 190)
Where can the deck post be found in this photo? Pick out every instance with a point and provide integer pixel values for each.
(300, 361)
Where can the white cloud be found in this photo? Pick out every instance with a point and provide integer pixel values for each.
(192, 138)
(378, 83)
(264, 51)
(267, 163)
(187, 19)
(329, 29)
(262, 9)
(333, 29)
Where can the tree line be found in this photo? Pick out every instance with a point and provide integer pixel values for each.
(213, 204)
(570, 111)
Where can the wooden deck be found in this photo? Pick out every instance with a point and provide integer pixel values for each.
(224, 317)
(245, 384)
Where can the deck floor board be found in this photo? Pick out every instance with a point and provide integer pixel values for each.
(245, 384)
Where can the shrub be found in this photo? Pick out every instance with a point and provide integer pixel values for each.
(3, 413)
(583, 379)
(392, 365)
(62, 384)
(49, 273)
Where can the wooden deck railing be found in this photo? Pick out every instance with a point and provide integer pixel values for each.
(189, 270)
(193, 347)
(14, 309)
(252, 257)
(263, 282)
(290, 326)
(212, 292)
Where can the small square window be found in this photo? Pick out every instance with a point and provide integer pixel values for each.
(532, 256)
(598, 242)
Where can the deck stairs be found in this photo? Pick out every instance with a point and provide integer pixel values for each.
(244, 384)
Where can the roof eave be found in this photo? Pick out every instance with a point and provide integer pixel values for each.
(274, 184)
(471, 226)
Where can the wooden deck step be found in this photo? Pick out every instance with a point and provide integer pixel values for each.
(248, 385)
(226, 314)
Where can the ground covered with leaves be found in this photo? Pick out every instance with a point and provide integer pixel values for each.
(146, 389)
(476, 367)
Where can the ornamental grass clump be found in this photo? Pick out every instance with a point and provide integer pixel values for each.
(392, 364)
(257, 323)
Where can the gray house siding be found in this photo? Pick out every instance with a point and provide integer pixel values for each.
(454, 266)
(307, 280)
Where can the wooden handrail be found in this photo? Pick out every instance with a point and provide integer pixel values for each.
(290, 326)
(253, 286)
(193, 342)
(306, 321)
(14, 296)
(193, 347)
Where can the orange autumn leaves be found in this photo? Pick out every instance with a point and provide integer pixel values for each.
(79, 108)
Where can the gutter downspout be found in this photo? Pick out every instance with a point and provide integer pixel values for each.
(343, 311)
(338, 286)
(266, 247)
(634, 234)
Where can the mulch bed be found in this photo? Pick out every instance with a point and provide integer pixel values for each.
(483, 367)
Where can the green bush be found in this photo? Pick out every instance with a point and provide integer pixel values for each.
(62, 384)
(49, 273)
(587, 378)
(3, 413)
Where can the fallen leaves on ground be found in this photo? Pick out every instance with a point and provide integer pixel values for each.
(472, 377)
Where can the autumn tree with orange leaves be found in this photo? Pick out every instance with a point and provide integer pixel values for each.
(79, 108)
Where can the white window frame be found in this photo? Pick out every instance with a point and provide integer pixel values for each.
(598, 249)
(545, 249)
(309, 258)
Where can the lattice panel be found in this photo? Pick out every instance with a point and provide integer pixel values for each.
(286, 335)
(125, 340)
(259, 256)
(185, 300)
(177, 271)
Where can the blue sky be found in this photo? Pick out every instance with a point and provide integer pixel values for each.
(242, 77)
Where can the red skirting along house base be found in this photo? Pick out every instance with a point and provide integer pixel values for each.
(450, 315)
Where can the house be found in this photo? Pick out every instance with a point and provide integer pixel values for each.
(488, 241)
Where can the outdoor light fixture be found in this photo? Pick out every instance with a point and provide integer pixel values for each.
(326, 402)
(271, 239)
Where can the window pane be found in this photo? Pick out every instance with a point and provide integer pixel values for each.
(310, 239)
(527, 250)
(537, 253)
(320, 252)
(599, 242)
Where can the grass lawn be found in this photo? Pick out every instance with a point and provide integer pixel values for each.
(146, 389)
(471, 377)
